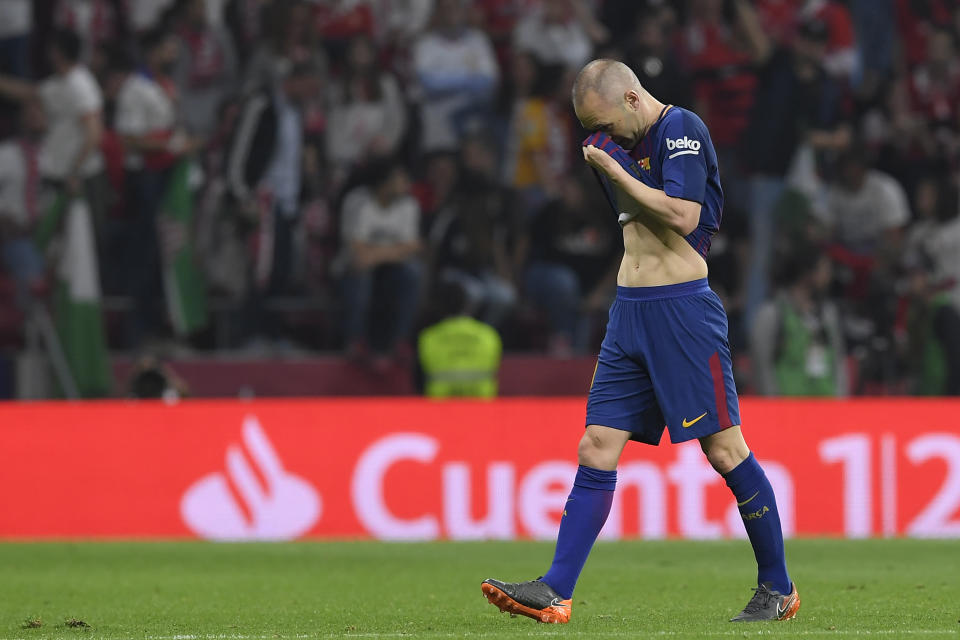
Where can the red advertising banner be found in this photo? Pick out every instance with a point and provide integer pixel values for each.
(416, 469)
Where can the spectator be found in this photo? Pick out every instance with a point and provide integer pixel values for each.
(538, 140)
(797, 344)
(933, 334)
(559, 32)
(656, 64)
(339, 21)
(288, 37)
(434, 192)
(19, 203)
(498, 19)
(916, 21)
(16, 22)
(932, 264)
(206, 72)
(797, 103)
(69, 155)
(840, 59)
(264, 174)
(367, 116)
(622, 17)
(151, 378)
(249, 22)
(457, 73)
(96, 22)
(573, 263)
(934, 87)
(876, 40)
(399, 22)
(382, 272)
(146, 120)
(720, 53)
(933, 239)
(459, 356)
(145, 15)
(867, 209)
(896, 134)
(779, 19)
(471, 240)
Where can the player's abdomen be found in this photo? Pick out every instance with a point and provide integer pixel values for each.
(655, 256)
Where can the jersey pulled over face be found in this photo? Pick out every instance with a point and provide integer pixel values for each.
(677, 157)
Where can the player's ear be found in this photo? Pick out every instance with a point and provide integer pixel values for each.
(632, 98)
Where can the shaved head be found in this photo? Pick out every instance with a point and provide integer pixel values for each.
(608, 79)
(609, 98)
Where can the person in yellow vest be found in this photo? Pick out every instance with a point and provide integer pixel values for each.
(459, 356)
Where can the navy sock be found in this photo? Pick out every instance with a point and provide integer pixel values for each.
(583, 516)
(758, 508)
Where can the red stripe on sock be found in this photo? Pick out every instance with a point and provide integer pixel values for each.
(720, 391)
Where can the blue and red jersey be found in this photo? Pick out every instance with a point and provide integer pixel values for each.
(677, 157)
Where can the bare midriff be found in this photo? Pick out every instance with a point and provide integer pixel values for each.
(655, 255)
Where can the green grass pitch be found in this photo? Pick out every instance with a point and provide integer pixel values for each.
(673, 589)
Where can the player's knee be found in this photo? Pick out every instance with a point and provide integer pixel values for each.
(723, 457)
(720, 458)
(586, 447)
(593, 452)
(725, 449)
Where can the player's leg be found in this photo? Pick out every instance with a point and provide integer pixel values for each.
(621, 396)
(692, 372)
(587, 506)
(776, 596)
(548, 599)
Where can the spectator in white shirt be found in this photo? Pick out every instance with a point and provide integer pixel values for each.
(70, 151)
(559, 32)
(457, 72)
(867, 208)
(146, 121)
(368, 114)
(380, 226)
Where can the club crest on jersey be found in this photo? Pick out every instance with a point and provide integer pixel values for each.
(645, 163)
(683, 146)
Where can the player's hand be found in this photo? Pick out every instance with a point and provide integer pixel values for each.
(598, 159)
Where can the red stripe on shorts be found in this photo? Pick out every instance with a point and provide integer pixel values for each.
(720, 391)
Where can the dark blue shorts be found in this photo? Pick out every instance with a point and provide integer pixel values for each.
(665, 361)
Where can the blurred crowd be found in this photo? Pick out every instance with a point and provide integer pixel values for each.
(277, 175)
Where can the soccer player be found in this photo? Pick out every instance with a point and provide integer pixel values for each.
(665, 359)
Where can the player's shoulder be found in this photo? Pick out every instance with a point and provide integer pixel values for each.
(680, 117)
(683, 130)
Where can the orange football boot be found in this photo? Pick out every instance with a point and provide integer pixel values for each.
(534, 599)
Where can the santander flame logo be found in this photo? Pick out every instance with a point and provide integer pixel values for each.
(255, 499)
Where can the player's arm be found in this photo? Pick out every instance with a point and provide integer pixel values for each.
(678, 214)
